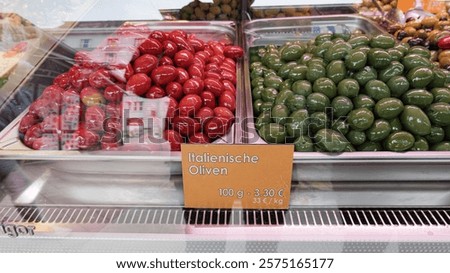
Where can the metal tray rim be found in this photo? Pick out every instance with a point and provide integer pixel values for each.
(25, 153)
(317, 157)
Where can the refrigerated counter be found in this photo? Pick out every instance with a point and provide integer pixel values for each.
(132, 200)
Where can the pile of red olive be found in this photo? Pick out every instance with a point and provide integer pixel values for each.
(82, 110)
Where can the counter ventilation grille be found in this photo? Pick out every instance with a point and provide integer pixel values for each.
(179, 216)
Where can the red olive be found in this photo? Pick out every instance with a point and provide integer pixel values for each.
(113, 93)
(32, 134)
(228, 67)
(44, 107)
(208, 99)
(186, 126)
(229, 86)
(178, 32)
(183, 58)
(232, 51)
(228, 100)
(214, 85)
(79, 76)
(218, 59)
(51, 124)
(216, 47)
(195, 71)
(174, 90)
(196, 44)
(230, 62)
(169, 48)
(165, 60)
(213, 75)
(145, 63)
(151, 46)
(174, 139)
(208, 50)
(183, 75)
(139, 83)
(193, 86)
(94, 117)
(86, 139)
(162, 75)
(180, 41)
(100, 78)
(81, 57)
(158, 35)
(216, 127)
(112, 125)
(199, 138)
(189, 105)
(62, 80)
(202, 54)
(172, 108)
(27, 122)
(110, 141)
(53, 93)
(155, 92)
(230, 76)
(113, 110)
(204, 114)
(224, 112)
(213, 67)
(199, 61)
(91, 96)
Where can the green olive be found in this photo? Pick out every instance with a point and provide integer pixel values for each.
(415, 120)
(317, 102)
(379, 130)
(325, 86)
(421, 144)
(399, 141)
(360, 119)
(303, 144)
(330, 141)
(356, 137)
(341, 106)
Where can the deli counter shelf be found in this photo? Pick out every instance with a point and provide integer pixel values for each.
(130, 198)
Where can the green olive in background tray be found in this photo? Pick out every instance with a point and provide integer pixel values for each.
(218, 10)
(353, 92)
(279, 12)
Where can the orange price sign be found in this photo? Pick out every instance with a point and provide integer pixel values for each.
(433, 6)
(237, 176)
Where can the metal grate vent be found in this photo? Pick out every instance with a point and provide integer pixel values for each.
(179, 216)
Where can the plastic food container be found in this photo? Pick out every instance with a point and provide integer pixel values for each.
(72, 167)
(347, 166)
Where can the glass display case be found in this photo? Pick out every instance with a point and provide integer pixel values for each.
(96, 99)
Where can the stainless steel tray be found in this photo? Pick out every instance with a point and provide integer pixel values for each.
(12, 148)
(355, 166)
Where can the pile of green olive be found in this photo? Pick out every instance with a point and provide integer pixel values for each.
(350, 92)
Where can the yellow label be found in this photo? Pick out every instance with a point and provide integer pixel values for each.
(237, 176)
